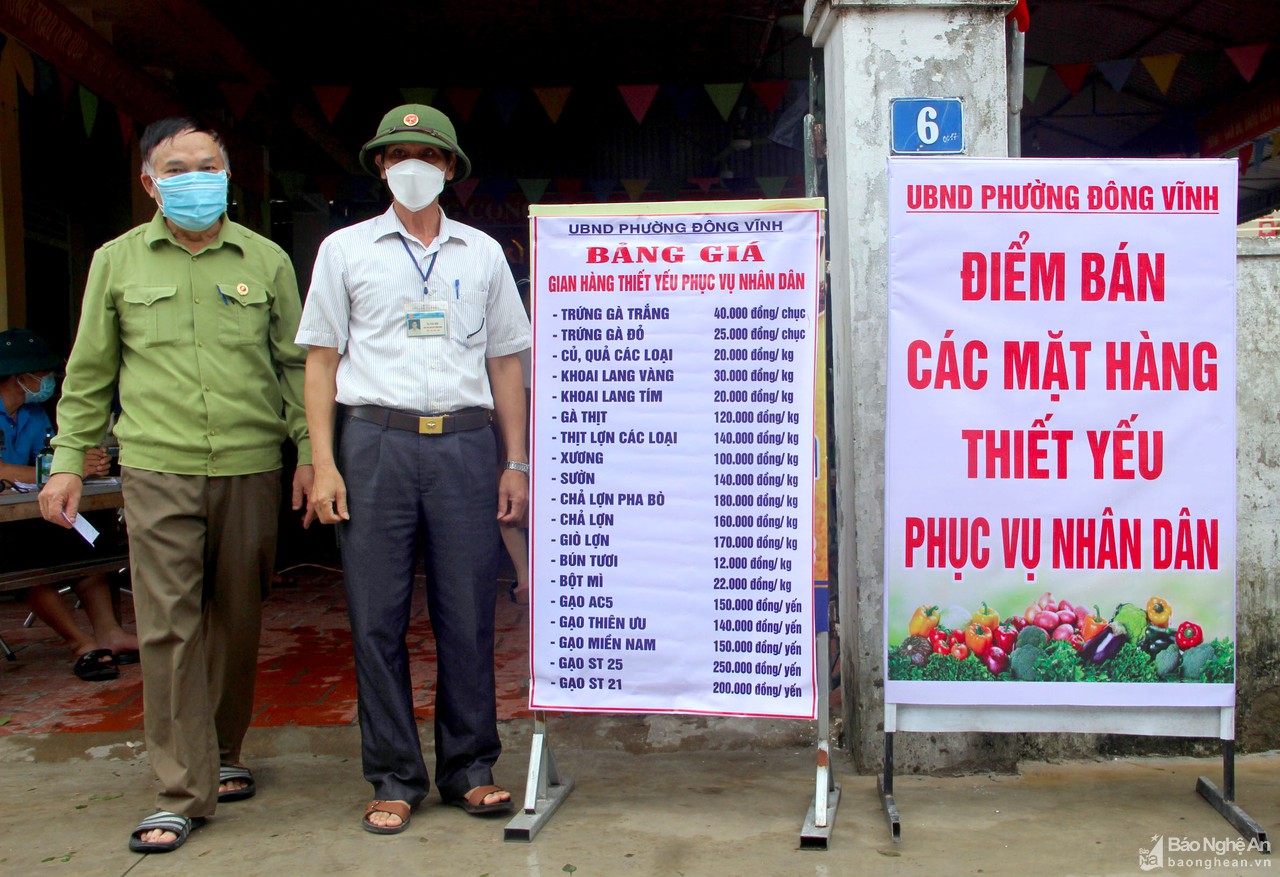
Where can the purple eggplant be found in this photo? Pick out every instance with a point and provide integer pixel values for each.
(1104, 645)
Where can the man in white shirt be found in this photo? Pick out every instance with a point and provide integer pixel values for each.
(413, 325)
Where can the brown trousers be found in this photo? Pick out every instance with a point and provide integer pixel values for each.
(202, 551)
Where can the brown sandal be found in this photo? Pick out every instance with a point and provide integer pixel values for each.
(473, 801)
(396, 808)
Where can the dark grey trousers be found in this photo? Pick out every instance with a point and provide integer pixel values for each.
(438, 493)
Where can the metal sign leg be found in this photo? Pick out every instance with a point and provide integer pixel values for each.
(816, 832)
(1224, 801)
(544, 788)
(885, 784)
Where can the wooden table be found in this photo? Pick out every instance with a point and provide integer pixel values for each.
(98, 494)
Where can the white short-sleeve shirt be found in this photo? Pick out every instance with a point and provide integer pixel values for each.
(369, 275)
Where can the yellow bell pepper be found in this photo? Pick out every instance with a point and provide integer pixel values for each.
(1159, 611)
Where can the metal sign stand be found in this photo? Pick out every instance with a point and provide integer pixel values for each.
(1151, 721)
(816, 831)
(544, 790)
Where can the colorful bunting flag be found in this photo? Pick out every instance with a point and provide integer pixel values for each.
(1245, 157)
(418, 95)
(1032, 79)
(1247, 59)
(1161, 68)
(465, 189)
(1072, 75)
(553, 101)
(772, 186)
(724, 95)
(15, 57)
(602, 188)
(1259, 150)
(507, 99)
(771, 92)
(463, 101)
(1117, 72)
(704, 183)
(534, 188)
(638, 99)
(331, 98)
(569, 187)
(239, 97)
(635, 188)
(127, 132)
(88, 110)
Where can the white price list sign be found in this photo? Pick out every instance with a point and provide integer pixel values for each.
(671, 524)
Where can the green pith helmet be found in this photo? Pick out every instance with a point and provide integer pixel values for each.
(416, 123)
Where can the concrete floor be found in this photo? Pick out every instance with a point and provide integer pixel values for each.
(655, 795)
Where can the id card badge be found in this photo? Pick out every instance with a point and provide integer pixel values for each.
(426, 319)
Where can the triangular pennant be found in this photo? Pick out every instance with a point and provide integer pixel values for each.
(66, 85)
(1259, 150)
(724, 95)
(1117, 72)
(669, 188)
(704, 183)
(331, 98)
(682, 97)
(1032, 79)
(327, 185)
(1161, 68)
(1072, 75)
(1247, 59)
(291, 183)
(602, 188)
(465, 189)
(638, 98)
(46, 76)
(127, 132)
(464, 101)
(507, 100)
(771, 92)
(569, 187)
(418, 95)
(88, 110)
(534, 188)
(1201, 66)
(1245, 157)
(1275, 144)
(635, 188)
(553, 101)
(18, 58)
(497, 188)
(239, 97)
(772, 186)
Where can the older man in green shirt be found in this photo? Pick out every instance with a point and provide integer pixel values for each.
(192, 318)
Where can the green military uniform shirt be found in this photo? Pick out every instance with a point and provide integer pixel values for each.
(201, 347)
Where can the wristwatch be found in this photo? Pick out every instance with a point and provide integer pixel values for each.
(519, 467)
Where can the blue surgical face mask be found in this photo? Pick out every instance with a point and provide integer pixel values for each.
(48, 384)
(193, 201)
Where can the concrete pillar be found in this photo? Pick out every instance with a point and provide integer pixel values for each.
(873, 51)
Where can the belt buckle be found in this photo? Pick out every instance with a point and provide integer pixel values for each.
(430, 425)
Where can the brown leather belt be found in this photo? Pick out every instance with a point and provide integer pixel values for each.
(430, 424)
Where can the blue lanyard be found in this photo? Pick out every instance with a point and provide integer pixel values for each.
(425, 276)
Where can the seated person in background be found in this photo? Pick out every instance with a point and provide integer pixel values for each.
(26, 381)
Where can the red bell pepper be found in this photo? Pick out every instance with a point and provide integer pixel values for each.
(1188, 635)
(1005, 637)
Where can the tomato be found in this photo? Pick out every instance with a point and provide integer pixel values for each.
(959, 651)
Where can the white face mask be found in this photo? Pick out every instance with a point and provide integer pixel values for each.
(414, 183)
